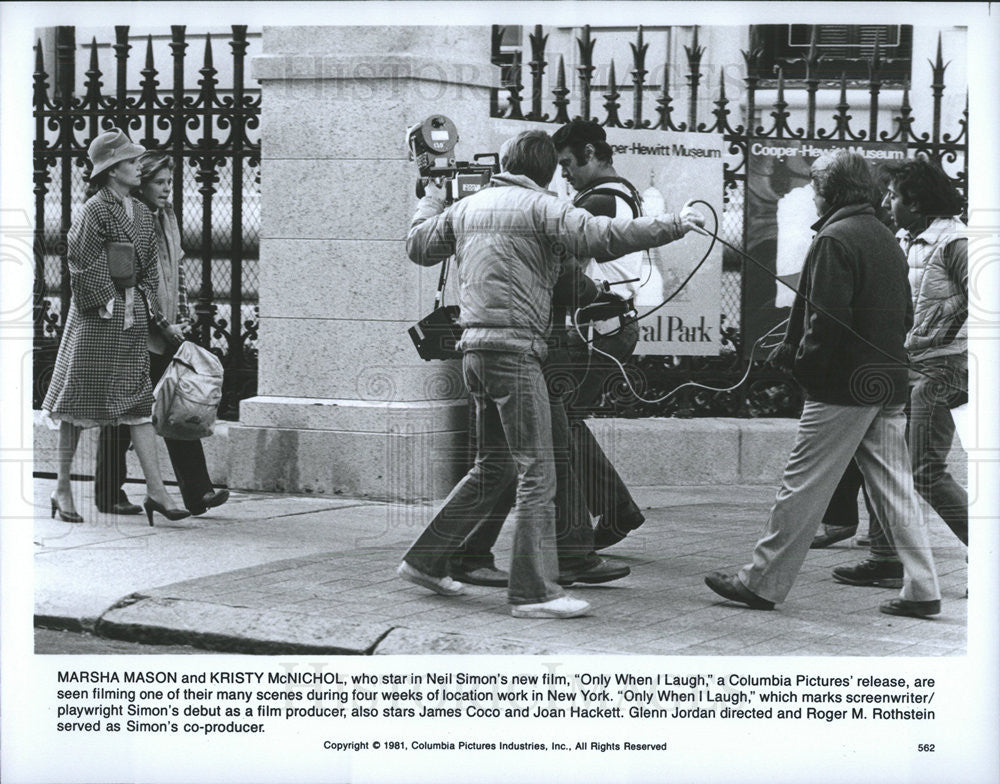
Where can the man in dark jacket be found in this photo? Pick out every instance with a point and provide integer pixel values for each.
(848, 326)
(924, 205)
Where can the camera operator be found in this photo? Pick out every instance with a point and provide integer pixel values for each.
(511, 241)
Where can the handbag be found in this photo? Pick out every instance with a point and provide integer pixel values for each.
(121, 263)
(437, 334)
(186, 399)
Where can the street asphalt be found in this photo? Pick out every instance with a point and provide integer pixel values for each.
(282, 574)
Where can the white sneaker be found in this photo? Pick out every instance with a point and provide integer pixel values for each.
(442, 585)
(563, 607)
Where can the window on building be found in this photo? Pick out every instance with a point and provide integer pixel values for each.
(507, 52)
(846, 49)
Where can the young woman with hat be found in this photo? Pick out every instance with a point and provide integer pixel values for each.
(156, 172)
(101, 374)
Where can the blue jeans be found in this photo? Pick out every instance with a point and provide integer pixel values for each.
(513, 422)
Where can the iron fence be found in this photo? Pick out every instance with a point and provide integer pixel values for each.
(767, 392)
(211, 134)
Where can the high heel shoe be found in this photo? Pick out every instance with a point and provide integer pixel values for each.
(66, 517)
(170, 513)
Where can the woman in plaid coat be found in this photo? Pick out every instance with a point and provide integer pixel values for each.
(187, 456)
(102, 370)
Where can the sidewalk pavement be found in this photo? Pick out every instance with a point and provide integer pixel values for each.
(280, 574)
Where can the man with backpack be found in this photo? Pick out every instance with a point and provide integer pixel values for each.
(585, 158)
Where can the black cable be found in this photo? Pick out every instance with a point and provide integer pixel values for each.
(681, 287)
(836, 320)
(715, 237)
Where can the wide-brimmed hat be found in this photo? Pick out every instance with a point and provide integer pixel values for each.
(112, 147)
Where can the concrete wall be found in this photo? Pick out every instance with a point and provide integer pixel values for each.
(344, 404)
(671, 452)
(661, 452)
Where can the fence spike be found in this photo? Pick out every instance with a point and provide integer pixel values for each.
(586, 70)
(721, 111)
(148, 99)
(611, 104)
(780, 114)
(937, 87)
(560, 92)
(875, 63)
(751, 59)
(812, 59)
(694, 54)
(663, 103)
(92, 87)
(638, 77)
(40, 98)
(874, 87)
(842, 116)
(514, 88)
(537, 65)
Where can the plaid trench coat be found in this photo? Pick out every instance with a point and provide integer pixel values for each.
(102, 370)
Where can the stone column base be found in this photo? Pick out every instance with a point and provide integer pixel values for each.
(387, 451)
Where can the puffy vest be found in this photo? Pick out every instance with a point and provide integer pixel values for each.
(940, 303)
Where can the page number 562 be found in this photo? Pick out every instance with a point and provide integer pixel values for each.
(925, 747)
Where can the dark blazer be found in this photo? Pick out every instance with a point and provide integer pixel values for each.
(855, 272)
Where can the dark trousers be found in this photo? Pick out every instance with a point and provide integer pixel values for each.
(843, 508)
(186, 457)
(930, 431)
(593, 374)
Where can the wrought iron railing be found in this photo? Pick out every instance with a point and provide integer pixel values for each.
(766, 392)
(212, 136)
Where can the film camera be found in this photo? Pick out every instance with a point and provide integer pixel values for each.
(432, 145)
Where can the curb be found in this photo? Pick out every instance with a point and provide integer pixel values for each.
(64, 623)
(164, 620)
(227, 629)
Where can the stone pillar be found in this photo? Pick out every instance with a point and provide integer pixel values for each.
(345, 404)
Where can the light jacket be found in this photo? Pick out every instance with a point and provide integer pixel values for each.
(511, 241)
(938, 262)
(169, 254)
